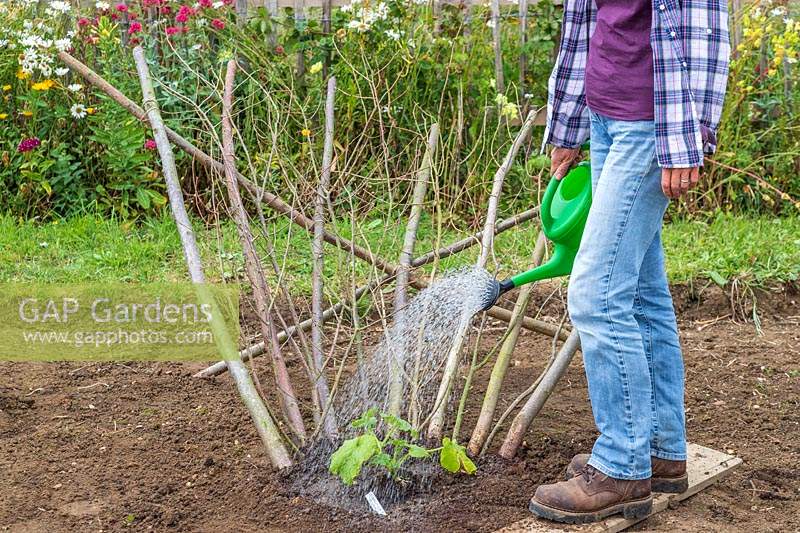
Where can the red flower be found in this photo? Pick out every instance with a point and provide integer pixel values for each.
(166, 10)
(133, 16)
(279, 50)
(83, 22)
(218, 24)
(150, 144)
(135, 27)
(205, 3)
(172, 30)
(26, 145)
(122, 8)
(134, 41)
(114, 16)
(228, 2)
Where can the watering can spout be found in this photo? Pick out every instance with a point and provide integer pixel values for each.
(564, 210)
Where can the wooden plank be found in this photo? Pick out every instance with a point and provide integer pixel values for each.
(705, 467)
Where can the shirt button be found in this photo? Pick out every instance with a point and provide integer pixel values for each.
(673, 34)
(685, 64)
(662, 7)
(709, 31)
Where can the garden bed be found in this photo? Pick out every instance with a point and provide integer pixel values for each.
(115, 446)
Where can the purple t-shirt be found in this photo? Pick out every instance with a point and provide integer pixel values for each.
(619, 71)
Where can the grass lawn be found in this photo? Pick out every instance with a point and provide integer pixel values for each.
(758, 249)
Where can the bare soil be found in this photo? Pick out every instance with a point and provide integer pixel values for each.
(110, 447)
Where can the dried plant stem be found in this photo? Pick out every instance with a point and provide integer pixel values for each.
(437, 420)
(255, 273)
(266, 428)
(492, 394)
(323, 191)
(406, 255)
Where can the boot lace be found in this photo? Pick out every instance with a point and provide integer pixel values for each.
(588, 472)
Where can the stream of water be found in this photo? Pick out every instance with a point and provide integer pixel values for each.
(418, 341)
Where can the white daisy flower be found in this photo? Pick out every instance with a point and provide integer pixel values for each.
(75, 87)
(62, 71)
(77, 111)
(102, 6)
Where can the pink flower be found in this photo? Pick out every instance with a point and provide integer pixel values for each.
(26, 145)
(218, 24)
(172, 30)
(228, 2)
(114, 16)
(166, 10)
(279, 50)
(150, 144)
(135, 27)
(205, 3)
(184, 12)
(122, 8)
(83, 22)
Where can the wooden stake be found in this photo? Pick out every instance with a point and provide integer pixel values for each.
(500, 83)
(483, 426)
(255, 273)
(536, 401)
(323, 193)
(406, 255)
(437, 419)
(270, 436)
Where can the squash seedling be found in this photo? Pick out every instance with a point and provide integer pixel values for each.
(393, 450)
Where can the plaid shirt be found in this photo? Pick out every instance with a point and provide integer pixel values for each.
(690, 61)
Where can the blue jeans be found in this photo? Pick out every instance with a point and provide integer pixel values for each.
(619, 302)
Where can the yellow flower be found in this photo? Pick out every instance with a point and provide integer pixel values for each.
(26, 113)
(3, 116)
(6, 88)
(21, 75)
(305, 132)
(90, 110)
(316, 67)
(45, 85)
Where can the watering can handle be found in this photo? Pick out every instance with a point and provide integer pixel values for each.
(555, 230)
(544, 209)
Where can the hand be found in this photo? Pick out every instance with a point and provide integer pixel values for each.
(562, 160)
(676, 181)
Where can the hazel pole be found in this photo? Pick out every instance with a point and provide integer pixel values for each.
(536, 401)
(423, 176)
(490, 398)
(437, 419)
(317, 283)
(266, 428)
(255, 272)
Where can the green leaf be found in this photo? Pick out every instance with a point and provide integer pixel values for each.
(396, 422)
(418, 452)
(384, 460)
(717, 278)
(454, 459)
(143, 198)
(368, 420)
(347, 461)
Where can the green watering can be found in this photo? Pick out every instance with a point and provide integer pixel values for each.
(563, 212)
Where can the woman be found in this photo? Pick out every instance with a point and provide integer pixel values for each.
(644, 80)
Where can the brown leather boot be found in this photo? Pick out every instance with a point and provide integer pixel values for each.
(591, 496)
(668, 476)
